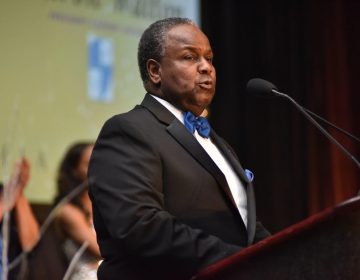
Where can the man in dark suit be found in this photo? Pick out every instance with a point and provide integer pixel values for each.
(169, 196)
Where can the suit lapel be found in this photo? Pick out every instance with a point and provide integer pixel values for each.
(177, 130)
(188, 141)
(251, 208)
(229, 155)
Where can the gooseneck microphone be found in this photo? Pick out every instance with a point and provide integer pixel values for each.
(264, 88)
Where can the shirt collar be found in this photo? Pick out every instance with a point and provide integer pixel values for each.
(175, 111)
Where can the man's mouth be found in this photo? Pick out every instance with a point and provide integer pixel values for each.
(207, 84)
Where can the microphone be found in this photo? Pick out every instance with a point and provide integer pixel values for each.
(264, 88)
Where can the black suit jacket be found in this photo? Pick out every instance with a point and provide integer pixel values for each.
(162, 208)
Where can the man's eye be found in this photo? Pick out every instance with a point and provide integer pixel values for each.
(190, 57)
(209, 59)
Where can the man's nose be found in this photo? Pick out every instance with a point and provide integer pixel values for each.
(205, 66)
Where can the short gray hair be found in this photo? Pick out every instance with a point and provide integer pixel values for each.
(152, 42)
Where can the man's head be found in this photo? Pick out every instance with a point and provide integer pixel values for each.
(175, 61)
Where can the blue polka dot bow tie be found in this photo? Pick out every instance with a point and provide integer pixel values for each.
(200, 124)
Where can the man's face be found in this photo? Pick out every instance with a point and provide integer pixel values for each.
(187, 76)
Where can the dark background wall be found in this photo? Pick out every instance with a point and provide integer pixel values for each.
(310, 50)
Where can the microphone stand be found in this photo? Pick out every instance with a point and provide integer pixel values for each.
(332, 125)
(314, 122)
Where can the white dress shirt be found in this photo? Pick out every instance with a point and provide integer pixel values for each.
(236, 187)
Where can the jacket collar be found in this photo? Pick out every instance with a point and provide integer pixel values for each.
(158, 110)
(234, 162)
(178, 131)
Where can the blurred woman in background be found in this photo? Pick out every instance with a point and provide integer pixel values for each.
(23, 228)
(74, 219)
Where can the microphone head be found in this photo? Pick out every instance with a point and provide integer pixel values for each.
(260, 87)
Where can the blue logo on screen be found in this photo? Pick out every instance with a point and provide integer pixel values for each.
(100, 68)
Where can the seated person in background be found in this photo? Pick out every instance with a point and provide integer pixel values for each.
(23, 227)
(74, 219)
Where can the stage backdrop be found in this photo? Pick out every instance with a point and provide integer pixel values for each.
(66, 67)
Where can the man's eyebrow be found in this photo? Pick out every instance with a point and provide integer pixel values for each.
(193, 48)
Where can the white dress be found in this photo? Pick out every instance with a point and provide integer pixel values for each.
(86, 267)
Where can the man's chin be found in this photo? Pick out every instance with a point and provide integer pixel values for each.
(198, 108)
(205, 100)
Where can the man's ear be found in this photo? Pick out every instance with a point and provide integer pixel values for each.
(154, 70)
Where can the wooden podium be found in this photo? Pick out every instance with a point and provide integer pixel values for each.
(324, 246)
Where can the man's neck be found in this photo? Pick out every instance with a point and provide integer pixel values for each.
(175, 111)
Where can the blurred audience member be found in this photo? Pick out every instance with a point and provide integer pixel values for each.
(23, 227)
(74, 219)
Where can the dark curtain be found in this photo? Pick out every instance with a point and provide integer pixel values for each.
(310, 50)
